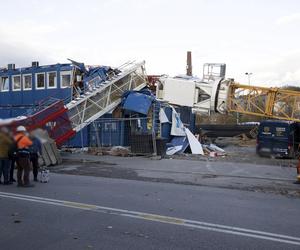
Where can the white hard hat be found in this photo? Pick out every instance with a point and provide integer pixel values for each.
(21, 129)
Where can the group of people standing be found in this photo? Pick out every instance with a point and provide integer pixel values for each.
(22, 150)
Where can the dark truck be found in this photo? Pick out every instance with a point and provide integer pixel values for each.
(278, 138)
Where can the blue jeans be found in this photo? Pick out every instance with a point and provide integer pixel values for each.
(4, 169)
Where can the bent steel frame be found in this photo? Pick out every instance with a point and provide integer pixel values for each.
(266, 102)
(106, 96)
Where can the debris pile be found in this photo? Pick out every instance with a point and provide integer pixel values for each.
(95, 151)
(184, 141)
(213, 150)
(155, 128)
(119, 151)
(114, 151)
(240, 140)
(50, 154)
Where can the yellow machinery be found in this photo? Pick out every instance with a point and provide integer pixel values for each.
(274, 103)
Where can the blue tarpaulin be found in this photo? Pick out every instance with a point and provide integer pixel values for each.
(139, 102)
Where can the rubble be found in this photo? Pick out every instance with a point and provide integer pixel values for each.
(50, 154)
(95, 151)
(119, 151)
(195, 145)
(174, 138)
(213, 150)
(182, 138)
(240, 140)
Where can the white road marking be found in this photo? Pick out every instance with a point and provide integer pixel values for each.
(159, 218)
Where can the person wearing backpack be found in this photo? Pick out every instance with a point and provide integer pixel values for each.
(35, 150)
(23, 157)
(5, 145)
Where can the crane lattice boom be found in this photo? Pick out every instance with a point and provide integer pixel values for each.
(274, 103)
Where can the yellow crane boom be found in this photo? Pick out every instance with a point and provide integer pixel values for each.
(274, 103)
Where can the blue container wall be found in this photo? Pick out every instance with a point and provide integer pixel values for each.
(33, 96)
(14, 103)
(109, 132)
(81, 139)
(5, 113)
(192, 126)
(166, 127)
(14, 112)
(187, 117)
(114, 132)
(135, 125)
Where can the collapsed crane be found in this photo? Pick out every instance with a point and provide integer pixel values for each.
(215, 94)
(211, 94)
(274, 103)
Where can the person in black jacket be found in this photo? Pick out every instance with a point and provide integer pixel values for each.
(35, 151)
(12, 168)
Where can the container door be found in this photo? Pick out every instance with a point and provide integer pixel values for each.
(266, 139)
(281, 140)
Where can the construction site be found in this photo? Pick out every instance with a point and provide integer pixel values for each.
(99, 111)
(153, 125)
(119, 123)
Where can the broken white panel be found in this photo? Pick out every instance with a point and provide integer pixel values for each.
(177, 128)
(216, 148)
(195, 145)
(163, 117)
(173, 150)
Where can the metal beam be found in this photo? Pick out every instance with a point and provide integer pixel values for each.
(267, 102)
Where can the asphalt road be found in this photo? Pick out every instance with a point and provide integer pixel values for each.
(82, 212)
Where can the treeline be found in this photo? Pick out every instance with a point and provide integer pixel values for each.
(294, 88)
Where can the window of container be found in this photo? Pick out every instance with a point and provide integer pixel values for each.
(16, 80)
(51, 80)
(27, 82)
(4, 84)
(65, 79)
(40, 80)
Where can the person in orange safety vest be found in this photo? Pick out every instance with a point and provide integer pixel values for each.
(23, 157)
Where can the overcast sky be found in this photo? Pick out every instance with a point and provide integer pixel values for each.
(255, 36)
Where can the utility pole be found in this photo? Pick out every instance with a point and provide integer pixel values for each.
(189, 71)
(249, 76)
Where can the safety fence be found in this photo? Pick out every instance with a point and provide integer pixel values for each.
(137, 133)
